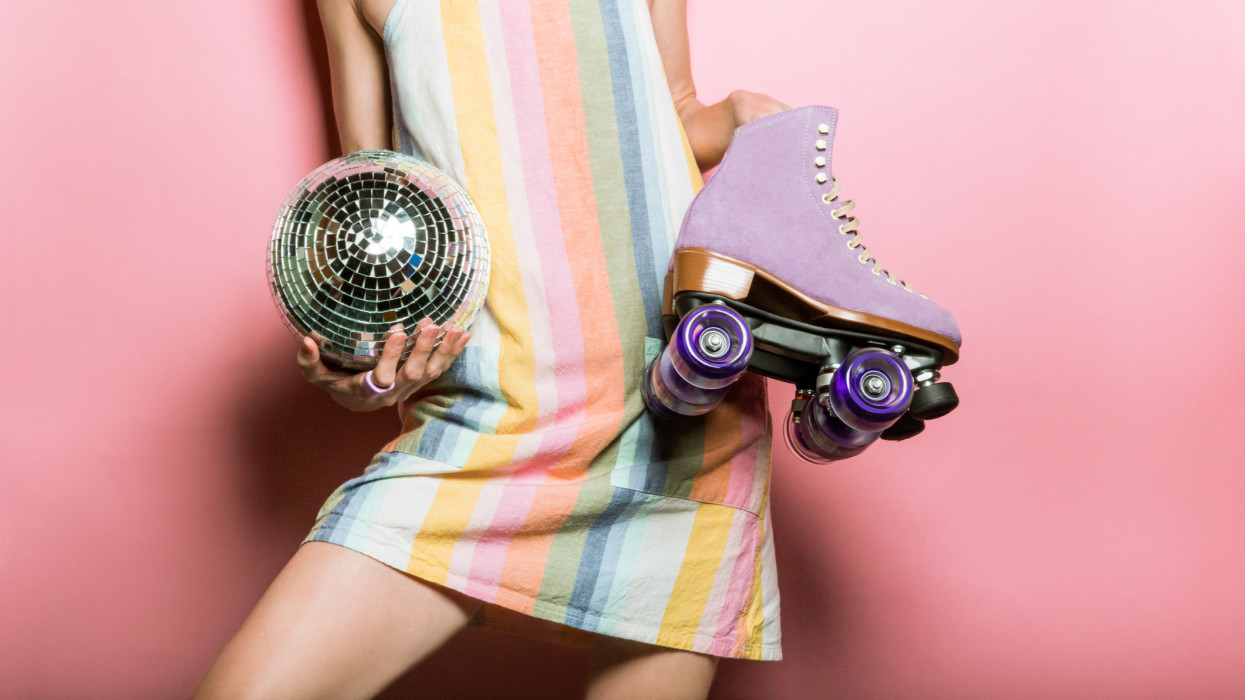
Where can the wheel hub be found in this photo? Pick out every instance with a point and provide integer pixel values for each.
(875, 385)
(714, 343)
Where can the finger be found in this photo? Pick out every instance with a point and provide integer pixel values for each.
(444, 355)
(386, 368)
(413, 370)
(309, 359)
(313, 367)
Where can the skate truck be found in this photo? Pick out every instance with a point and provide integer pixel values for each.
(769, 273)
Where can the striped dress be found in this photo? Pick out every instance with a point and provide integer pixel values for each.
(530, 475)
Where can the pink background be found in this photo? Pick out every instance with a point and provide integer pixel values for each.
(1067, 177)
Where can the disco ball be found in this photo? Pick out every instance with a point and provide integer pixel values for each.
(372, 239)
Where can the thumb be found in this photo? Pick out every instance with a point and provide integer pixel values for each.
(309, 350)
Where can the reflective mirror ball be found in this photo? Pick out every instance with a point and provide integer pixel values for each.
(372, 239)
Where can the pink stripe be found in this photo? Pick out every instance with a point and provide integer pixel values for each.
(742, 482)
(529, 112)
(738, 594)
(568, 339)
(515, 505)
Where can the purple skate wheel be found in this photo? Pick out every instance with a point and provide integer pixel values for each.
(819, 437)
(669, 395)
(711, 347)
(871, 389)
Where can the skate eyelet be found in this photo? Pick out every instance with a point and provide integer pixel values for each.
(820, 161)
(826, 198)
(849, 243)
(821, 144)
(823, 128)
(821, 178)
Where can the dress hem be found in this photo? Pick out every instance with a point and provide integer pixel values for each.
(538, 609)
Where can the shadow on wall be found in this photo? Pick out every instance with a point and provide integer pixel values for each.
(318, 60)
(298, 445)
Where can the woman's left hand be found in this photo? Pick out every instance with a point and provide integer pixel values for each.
(749, 106)
(709, 128)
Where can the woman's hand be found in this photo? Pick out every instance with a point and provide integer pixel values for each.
(710, 128)
(422, 366)
(748, 106)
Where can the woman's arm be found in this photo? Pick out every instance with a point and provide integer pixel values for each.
(709, 127)
(359, 75)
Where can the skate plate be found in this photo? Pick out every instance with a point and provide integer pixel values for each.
(705, 271)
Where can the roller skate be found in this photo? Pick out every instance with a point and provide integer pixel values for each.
(769, 274)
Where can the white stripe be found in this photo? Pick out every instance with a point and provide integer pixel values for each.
(666, 534)
(676, 184)
(771, 633)
(419, 69)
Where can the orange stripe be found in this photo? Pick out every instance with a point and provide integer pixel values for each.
(712, 482)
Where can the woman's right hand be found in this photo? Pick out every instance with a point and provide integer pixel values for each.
(422, 366)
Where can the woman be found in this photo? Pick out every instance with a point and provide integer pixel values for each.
(529, 485)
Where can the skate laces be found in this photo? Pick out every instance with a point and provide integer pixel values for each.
(851, 228)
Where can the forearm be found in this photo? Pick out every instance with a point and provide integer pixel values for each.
(359, 75)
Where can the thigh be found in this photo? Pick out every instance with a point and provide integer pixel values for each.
(623, 669)
(335, 623)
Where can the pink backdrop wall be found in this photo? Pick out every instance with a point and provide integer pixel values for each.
(1068, 177)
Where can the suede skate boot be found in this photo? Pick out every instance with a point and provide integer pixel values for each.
(773, 206)
(768, 240)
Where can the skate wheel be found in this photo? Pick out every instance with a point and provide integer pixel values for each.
(871, 389)
(934, 401)
(711, 346)
(904, 428)
(819, 437)
(669, 395)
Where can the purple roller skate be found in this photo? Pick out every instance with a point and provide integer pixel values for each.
(863, 348)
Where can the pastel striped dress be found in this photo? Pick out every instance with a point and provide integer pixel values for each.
(530, 475)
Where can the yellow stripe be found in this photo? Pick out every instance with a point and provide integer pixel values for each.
(704, 554)
(698, 181)
(477, 134)
(447, 519)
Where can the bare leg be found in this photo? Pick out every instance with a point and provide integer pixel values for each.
(334, 623)
(623, 670)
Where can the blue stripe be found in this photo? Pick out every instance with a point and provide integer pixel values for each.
(637, 162)
(442, 434)
(592, 563)
(612, 553)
